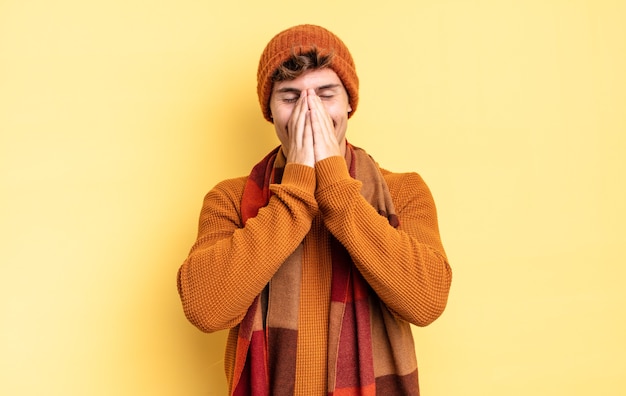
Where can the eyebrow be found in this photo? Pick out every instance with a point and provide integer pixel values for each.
(288, 90)
(295, 90)
(328, 86)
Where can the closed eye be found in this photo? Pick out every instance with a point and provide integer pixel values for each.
(328, 91)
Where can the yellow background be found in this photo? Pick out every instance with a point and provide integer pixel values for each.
(117, 116)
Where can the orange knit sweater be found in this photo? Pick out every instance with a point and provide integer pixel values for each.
(229, 266)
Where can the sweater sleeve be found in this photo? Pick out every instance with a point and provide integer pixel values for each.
(407, 267)
(230, 264)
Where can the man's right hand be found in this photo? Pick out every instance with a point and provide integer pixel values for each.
(300, 150)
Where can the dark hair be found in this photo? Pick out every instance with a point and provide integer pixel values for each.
(293, 67)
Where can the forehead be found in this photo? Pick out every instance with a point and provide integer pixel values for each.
(311, 79)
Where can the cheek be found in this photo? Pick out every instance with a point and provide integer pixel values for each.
(338, 109)
(281, 134)
(280, 114)
(338, 113)
(280, 120)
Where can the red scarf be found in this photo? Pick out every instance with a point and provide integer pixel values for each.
(359, 322)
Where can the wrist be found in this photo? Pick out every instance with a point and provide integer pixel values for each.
(330, 170)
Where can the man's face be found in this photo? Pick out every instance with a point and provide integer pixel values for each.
(326, 85)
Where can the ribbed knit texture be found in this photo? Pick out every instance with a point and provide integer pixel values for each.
(298, 40)
(228, 266)
(268, 335)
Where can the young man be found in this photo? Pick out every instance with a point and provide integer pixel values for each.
(319, 260)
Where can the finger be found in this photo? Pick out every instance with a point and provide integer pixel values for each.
(297, 110)
(321, 118)
(321, 123)
(307, 134)
(297, 120)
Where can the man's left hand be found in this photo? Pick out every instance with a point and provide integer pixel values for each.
(325, 142)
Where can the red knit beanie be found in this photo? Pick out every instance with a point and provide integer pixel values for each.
(301, 39)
